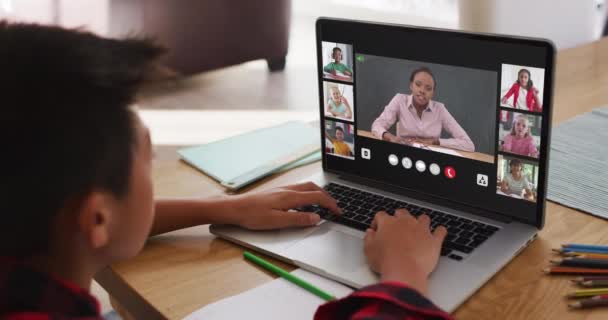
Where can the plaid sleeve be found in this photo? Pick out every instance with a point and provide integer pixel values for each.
(387, 301)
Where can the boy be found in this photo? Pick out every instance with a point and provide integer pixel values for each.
(77, 192)
(337, 65)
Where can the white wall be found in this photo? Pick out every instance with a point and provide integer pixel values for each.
(91, 14)
(567, 23)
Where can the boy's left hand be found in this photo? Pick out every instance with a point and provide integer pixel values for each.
(269, 209)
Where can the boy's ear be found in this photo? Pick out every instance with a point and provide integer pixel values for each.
(94, 219)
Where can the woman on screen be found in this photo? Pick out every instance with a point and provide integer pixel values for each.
(421, 120)
(519, 141)
(515, 183)
(525, 95)
(338, 105)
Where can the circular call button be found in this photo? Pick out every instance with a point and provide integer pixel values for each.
(449, 172)
(420, 165)
(434, 169)
(406, 162)
(393, 160)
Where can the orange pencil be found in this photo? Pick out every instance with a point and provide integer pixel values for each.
(570, 270)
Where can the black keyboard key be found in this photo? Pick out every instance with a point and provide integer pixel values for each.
(349, 214)
(442, 220)
(492, 228)
(455, 257)
(466, 234)
(368, 221)
(351, 208)
(475, 243)
(463, 241)
(450, 237)
(361, 211)
(467, 227)
(453, 223)
(457, 246)
(479, 237)
(453, 230)
(360, 217)
(445, 251)
(367, 205)
(351, 223)
(357, 203)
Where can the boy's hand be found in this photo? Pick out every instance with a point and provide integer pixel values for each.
(269, 209)
(402, 248)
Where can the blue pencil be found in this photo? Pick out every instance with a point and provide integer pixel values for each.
(581, 250)
(578, 247)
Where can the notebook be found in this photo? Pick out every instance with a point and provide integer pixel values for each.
(277, 299)
(240, 160)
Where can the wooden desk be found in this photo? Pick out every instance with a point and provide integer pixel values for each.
(182, 271)
(470, 155)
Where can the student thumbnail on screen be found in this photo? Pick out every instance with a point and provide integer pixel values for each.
(520, 133)
(522, 87)
(339, 139)
(338, 99)
(337, 61)
(517, 178)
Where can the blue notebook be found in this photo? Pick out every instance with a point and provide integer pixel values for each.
(240, 160)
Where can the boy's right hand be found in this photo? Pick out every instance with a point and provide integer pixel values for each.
(402, 248)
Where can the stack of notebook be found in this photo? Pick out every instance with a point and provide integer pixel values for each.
(590, 262)
(240, 160)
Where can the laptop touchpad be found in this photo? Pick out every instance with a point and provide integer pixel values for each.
(330, 249)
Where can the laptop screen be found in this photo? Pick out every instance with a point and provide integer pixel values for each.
(461, 117)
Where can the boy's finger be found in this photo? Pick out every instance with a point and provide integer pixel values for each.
(305, 198)
(424, 220)
(380, 216)
(280, 219)
(304, 186)
(440, 233)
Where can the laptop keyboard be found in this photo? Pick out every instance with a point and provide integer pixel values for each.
(359, 207)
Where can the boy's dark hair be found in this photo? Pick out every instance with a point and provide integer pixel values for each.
(340, 128)
(66, 124)
(333, 52)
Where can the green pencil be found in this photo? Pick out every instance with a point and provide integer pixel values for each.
(288, 276)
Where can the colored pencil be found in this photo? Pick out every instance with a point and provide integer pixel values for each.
(594, 283)
(587, 293)
(591, 278)
(580, 250)
(569, 270)
(575, 246)
(581, 263)
(596, 301)
(585, 255)
(288, 276)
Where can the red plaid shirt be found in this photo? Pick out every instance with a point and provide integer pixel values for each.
(29, 294)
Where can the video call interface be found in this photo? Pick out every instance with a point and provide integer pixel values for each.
(463, 131)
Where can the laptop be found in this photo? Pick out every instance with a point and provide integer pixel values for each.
(449, 124)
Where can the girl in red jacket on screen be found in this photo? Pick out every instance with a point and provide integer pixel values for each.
(525, 95)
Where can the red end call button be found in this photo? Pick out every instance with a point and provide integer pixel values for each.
(449, 172)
